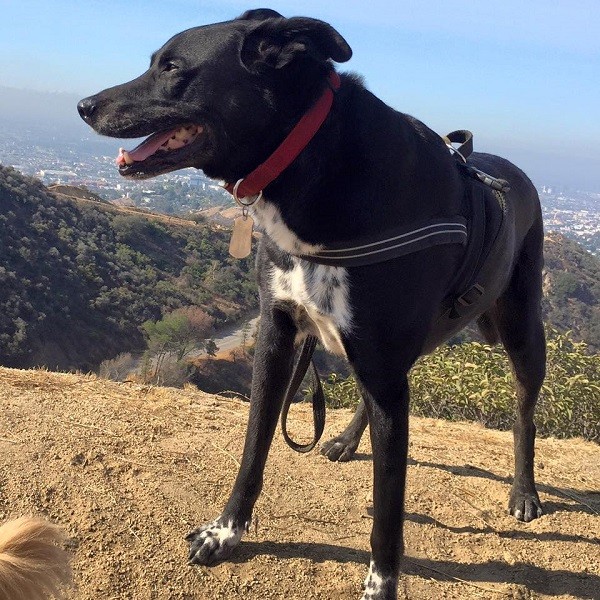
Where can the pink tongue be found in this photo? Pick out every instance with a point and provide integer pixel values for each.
(151, 145)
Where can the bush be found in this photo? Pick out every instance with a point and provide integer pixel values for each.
(341, 392)
(178, 333)
(473, 382)
(118, 368)
(171, 373)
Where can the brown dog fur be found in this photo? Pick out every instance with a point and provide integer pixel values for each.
(32, 564)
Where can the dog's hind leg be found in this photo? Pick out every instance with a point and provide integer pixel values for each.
(488, 329)
(342, 447)
(273, 361)
(519, 322)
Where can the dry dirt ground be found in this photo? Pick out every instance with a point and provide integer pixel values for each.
(128, 470)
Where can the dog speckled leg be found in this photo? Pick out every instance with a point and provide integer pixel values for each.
(378, 587)
(214, 542)
(273, 361)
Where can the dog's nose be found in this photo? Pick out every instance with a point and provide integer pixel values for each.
(86, 107)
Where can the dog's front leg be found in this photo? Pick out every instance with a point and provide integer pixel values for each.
(387, 404)
(273, 362)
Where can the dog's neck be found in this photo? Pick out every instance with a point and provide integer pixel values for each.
(339, 188)
(296, 141)
(322, 197)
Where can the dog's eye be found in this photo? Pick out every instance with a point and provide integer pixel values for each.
(170, 66)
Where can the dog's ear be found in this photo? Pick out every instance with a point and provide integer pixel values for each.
(276, 42)
(259, 14)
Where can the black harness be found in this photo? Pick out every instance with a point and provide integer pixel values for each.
(392, 244)
(477, 233)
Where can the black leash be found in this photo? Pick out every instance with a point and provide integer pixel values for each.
(302, 365)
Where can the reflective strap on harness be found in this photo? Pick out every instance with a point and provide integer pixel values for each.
(302, 365)
(392, 244)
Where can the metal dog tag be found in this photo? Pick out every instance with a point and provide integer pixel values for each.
(241, 237)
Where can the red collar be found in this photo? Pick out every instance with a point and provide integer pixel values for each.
(290, 148)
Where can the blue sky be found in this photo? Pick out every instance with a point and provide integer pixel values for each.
(524, 76)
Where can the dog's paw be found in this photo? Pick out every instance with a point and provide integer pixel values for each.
(214, 542)
(378, 587)
(339, 449)
(525, 506)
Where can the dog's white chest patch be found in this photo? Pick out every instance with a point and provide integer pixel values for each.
(320, 294)
(268, 218)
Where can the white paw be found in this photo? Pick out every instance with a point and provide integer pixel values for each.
(214, 542)
(378, 587)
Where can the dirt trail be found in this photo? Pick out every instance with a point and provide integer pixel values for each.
(128, 470)
(68, 193)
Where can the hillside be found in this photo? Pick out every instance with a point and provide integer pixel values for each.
(79, 276)
(128, 470)
(572, 289)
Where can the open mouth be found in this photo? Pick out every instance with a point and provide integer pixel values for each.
(159, 146)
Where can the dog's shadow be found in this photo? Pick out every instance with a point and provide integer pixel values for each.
(512, 534)
(535, 578)
(587, 501)
(317, 552)
(362, 456)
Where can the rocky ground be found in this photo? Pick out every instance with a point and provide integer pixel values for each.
(128, 470)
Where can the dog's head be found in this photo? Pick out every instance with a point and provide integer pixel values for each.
(219, 97)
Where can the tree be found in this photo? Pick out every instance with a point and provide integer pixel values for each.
(211, 347)
(176, 334)
(245, 334)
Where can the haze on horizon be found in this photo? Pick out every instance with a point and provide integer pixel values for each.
(523, 77)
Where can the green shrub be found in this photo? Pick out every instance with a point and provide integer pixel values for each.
(473, 382)
(341, 392)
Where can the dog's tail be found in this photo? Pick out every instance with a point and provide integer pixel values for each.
(32, 565)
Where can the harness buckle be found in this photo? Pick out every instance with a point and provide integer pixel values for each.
(466, 300)
(471, 295)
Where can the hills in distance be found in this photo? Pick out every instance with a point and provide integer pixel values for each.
(78, 276)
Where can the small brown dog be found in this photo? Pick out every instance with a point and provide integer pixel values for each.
(32, 564)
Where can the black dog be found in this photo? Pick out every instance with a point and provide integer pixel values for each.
(222, 98)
